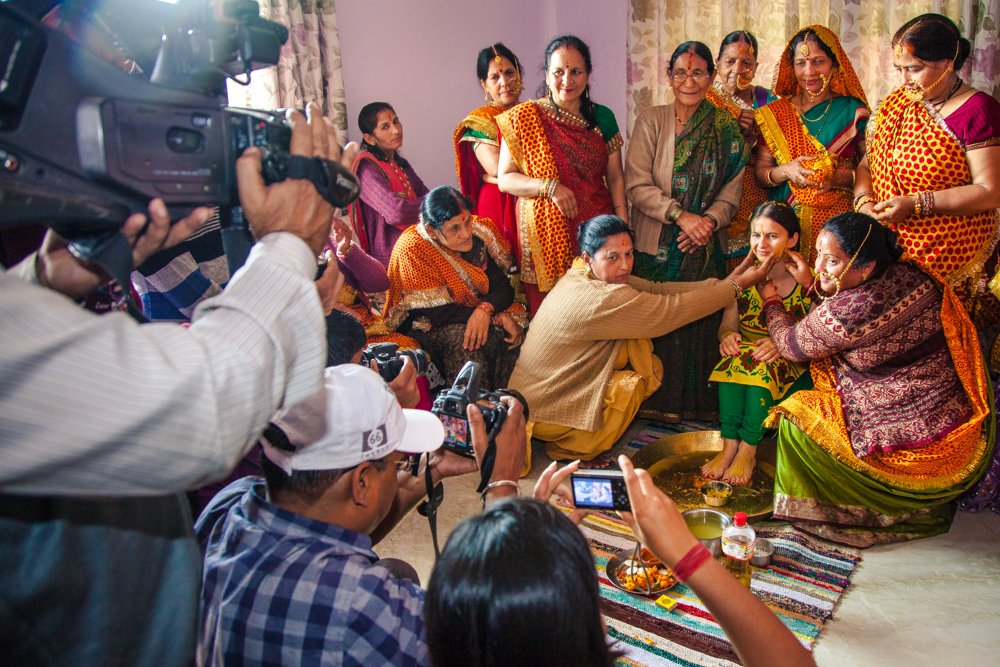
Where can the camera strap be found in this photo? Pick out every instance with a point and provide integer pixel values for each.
(112, 252)
(429, 508)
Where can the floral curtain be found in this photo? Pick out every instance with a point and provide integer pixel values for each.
(865, 28)
(309, 69)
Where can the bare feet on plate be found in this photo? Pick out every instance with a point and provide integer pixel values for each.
(741, 469)
(716, 468)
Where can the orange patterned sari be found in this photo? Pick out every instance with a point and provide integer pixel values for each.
(911, 149)
(425, 274)
(546, 144)
(834, 140)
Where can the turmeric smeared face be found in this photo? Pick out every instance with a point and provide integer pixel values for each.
(768, 238)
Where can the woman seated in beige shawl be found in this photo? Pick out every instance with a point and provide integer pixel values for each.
(587, 362)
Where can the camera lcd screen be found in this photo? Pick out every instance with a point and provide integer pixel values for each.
(456, 430)
(593, 493)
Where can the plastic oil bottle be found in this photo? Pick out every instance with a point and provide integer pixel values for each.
(737, 545)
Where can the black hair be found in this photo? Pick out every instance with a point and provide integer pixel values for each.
(695, 49)
(442, 204)
(933, 38)
(849, 231)
(308, 485)
(345, 337)
(367, 119)
(739, 37)
(594, 233)
(515, 585)
(487, 55)
(802, 36)
(781, 213)
(572, 42)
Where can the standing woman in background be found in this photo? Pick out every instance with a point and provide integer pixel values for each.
(734, 91)
(391, 192)
(814, 136)
(932, 172)
(561, 156)
(477, 140)
(684, 173)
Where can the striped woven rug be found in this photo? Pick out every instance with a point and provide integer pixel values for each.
(806, 579)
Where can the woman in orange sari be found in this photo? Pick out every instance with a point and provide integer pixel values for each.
(933, 168)
(449, 290)
(477, 140)
(734, 91)
(813, 135)
(561, 156)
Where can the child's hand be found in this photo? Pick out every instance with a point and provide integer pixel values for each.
(765, 350)
(730, 345)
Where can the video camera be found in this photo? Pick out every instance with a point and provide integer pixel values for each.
(84, 144)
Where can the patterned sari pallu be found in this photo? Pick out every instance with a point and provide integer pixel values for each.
(546, 144)
(911, 149)
(432, 275)
(830, 139)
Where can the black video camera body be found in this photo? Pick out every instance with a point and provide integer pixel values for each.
(83, 144)
(450, 407)
(389, 359)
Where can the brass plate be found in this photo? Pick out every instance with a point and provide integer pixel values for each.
(675, 464)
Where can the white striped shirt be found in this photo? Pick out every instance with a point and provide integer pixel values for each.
(99, 405)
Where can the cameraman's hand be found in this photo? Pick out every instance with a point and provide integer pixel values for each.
(58, 270)
(405, 384)
(292, 205)
(512, 444)
(550, 481)
(654, 518)
(449, 464)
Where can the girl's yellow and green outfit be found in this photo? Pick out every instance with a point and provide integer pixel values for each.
(749, 388)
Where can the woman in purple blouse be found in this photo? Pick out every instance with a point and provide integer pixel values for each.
(391, 192)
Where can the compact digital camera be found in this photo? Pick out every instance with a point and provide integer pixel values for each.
(389, 359)
(450, 406)
(600, 490)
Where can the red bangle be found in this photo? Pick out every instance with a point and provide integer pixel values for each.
(691, 562)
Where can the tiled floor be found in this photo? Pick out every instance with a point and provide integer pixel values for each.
(927, 602)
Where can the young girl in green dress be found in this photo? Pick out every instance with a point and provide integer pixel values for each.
(752, 377)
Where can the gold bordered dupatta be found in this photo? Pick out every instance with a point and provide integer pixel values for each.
(424, 274)
(483, 121)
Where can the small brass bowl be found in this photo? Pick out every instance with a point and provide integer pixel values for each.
(763, 551)
(716, 494)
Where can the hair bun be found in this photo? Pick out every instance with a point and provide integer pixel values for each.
(964, 49)
(892, 243)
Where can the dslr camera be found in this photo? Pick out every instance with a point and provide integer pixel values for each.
(450, 406)
(389, 359)
(85, 143)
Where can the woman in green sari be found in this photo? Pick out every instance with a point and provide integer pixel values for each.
(684, 175)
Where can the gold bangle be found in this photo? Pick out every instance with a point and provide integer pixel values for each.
(739, 290)
(675, 214)
(348, 251)
(767, 178)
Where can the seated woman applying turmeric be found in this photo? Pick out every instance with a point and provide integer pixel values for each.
(587, 362)
(900, 420)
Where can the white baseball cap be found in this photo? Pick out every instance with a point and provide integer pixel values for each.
(355, 418)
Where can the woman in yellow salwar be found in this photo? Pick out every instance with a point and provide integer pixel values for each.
(814, 136)
(900, 422)
(587, 362)
(932, 171)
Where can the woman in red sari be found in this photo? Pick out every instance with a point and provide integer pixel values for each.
(561, 156)
(477, 140)
(933, 168)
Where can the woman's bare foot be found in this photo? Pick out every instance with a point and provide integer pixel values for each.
(600, 462)
(741, 469)
(715, 468)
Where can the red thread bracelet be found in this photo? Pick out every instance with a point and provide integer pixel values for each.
(688, 565)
